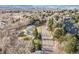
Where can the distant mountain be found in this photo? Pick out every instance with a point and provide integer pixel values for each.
(15, 6)
(58, 6)
(38, 6)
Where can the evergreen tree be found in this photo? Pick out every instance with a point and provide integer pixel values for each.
(50, 24)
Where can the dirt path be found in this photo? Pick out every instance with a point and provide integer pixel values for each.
(45, 33)
(47, 42)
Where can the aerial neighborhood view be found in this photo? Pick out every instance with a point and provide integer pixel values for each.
(39, 29)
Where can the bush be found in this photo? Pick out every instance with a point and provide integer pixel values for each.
(58, 33)
(56, 17)
(35, 32)
(21, 34)
(50, 24)
(70, 47)
(26, 38)
(59, 25)
(37, 44)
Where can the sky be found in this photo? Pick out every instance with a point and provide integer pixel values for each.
(39, 2)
